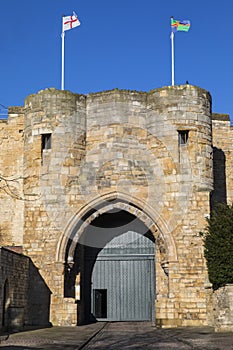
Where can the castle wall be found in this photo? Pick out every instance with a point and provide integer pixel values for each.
(223, 159)
(48, 173)
(24, 296)
(188, 181)
(11, 178)
(127, 143)
(222, 301)
(13, 289)
(146, 153)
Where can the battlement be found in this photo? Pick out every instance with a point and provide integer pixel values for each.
(177, 103)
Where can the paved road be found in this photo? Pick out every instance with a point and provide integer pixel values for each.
(142, 336)
(118, 336)
(55, 338)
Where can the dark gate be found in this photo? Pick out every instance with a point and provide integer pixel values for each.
(123, 279)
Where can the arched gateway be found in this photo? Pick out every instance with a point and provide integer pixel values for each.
(110, 261)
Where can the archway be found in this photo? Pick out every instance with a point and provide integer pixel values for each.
(113, 269)
(78, 241)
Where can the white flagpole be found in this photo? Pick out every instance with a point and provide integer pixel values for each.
(62, 57)
(173, 63)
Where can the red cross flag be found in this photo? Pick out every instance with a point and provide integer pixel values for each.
(70, 22)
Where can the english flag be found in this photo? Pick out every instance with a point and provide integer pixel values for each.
(70, 22)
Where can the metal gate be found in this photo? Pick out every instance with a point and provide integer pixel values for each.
(123, 280)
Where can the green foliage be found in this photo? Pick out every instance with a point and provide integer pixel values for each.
(218, 245)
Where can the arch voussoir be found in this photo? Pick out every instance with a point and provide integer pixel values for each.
(111, 202)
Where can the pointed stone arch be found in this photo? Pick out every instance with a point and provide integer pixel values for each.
(119, 201)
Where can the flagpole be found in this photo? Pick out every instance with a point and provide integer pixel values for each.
(62, 58)
(173, 63)
(68, 22)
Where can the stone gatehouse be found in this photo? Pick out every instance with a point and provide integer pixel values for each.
(107, 193)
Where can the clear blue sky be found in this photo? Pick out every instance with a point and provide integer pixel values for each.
(121, 44)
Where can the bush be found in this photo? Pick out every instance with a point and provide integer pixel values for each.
(218, 245)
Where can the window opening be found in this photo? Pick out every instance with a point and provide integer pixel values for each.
(183, 137)
(46, 141)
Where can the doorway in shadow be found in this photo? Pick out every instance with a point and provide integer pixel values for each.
(115, 265)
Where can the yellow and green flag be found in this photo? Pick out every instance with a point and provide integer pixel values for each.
(177, 25)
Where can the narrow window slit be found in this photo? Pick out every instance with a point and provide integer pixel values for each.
(46, 141)
(183, 137)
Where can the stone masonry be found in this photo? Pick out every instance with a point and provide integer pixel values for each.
(70, 158)
(21, 304)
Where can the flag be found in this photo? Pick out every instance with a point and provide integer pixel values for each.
(70, 22)
(177, 25)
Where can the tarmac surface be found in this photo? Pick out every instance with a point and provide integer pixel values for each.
(118, 335)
